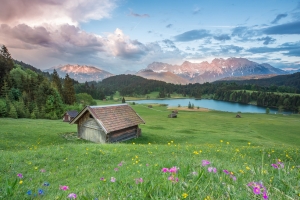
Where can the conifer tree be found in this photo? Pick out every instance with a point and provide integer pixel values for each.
(2, 108)
(32, 116)
(4, 90)
(123, 100)
(68, 91)
(13, 112)
(56, 82)
(6, 63)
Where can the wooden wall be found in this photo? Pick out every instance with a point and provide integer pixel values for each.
(89, 129)
(124, 134)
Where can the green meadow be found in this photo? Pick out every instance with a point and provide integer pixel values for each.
(199, 155)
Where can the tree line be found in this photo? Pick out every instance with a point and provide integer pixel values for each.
(28, 93)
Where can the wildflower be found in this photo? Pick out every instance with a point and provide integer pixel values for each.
(195, 152)
(233, 177)
(102, 179)
(248, 168)
(20, 175)
(185, 195)
(42, 170)
(138, 180)
(265, 196)
(173, 169)
(64, 187)
(165, 170)
(212, 169)
(35, 168)
(173, 179)
(46, 184)
(227, 142)
(256, 190)
(113, 179)
(72, 196)
(40, 192)
(21, 182)
(221, 140)
(226, 171)
(275, 166)
(147, 164)
(120, 164)
(205, 162)
(116, 169)
(194, 173)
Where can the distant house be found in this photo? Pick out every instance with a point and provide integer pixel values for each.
(69, 115)
(109, 123)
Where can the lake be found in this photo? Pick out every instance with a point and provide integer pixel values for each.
(210, 104)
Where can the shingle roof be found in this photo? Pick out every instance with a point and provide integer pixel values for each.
(72, 113)
(116, 117)
(113, 117)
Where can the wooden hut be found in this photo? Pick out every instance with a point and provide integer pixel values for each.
(69, 115)
(109, 123)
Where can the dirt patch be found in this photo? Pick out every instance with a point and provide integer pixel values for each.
(187, 109)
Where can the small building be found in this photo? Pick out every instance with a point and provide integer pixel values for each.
(107, 124)
(69, 115)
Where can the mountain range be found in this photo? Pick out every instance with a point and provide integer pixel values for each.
(185, 73)
(81, 73)
(209, 72)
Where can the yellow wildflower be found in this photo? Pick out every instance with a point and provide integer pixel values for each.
(185, 195)
(248, 168)
(221, 140)
(227, 142)
(21, 182)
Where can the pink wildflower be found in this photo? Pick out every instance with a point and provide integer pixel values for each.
(20, 175)
(165, 170)
(64, 187)
(116, 169)
(113, 179)
(138, 180)
(102, 179)
(256, 190)
(205, 162)
(274, 165)
(173, 179)
(72, 196)
(42, 170)
(194, 173)
(226, 171)
(265, 196)
(233, 177)
(212, 169)
(173, 169)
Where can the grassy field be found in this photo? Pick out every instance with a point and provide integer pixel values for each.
(38, 157)
(152, 95)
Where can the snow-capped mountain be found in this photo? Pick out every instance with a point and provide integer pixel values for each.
(217, 69)
(167, 76)
(81, 73)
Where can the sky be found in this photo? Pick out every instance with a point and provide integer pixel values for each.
(122, 35)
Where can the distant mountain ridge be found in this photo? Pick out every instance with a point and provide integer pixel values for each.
(81, 73)
(208, 72)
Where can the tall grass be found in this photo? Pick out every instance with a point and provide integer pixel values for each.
(48, 155)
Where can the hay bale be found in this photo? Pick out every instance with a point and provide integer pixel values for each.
(238, 116)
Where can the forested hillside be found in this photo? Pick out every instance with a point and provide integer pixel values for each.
(27, 93)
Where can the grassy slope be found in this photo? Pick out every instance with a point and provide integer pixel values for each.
(30, 145)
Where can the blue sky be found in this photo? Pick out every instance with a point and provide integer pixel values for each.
(125, 35)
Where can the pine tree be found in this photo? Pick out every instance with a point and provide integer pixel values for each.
(32, 116)
(4, 90)
(190, 105)
(2, 108)
(36, 112)
(123, 100)
(56, 82)
(6, 63)
(13, 112)
(68, 91)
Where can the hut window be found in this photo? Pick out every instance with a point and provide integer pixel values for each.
(91, 116)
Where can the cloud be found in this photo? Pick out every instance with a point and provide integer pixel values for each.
(138, 15)
(289, 49)
(278, 17)
(230, 49)
(169, 25)
(288, 28)
(37, 12)
(222, 37)
(196, 11)
(267, 40)
(169, 44)
(245, 33)
(192, 35)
